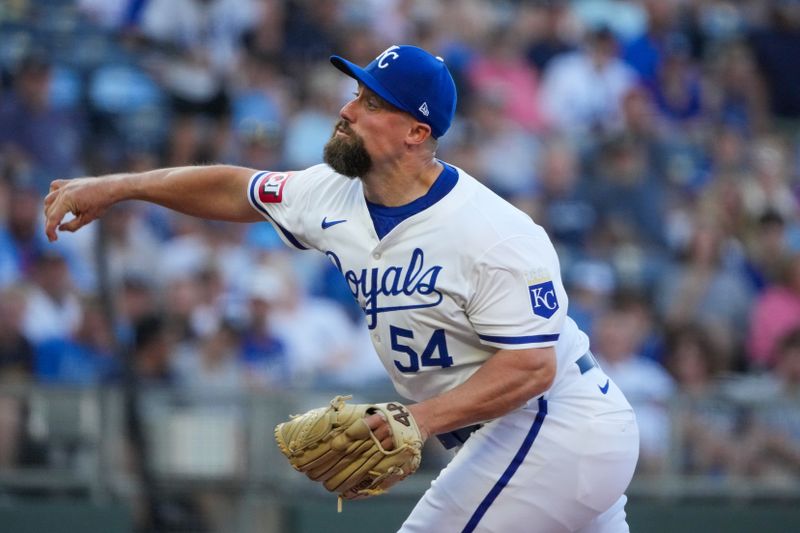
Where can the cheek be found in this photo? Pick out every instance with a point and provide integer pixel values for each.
(383, 138)
(372, 138)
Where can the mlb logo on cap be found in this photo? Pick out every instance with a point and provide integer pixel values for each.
(412, 80)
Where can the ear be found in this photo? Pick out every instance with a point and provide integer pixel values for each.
(418, 133)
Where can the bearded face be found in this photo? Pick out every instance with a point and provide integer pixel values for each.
(346, 153)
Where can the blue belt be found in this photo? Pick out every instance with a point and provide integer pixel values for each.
(458, 437)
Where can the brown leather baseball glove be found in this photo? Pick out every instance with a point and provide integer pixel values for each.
(335, 446)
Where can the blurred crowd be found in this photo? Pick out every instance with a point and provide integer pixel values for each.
(657, 141)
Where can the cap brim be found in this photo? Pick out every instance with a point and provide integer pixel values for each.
(361, 75)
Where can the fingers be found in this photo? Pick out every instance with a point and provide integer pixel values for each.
(57, 204)
(374, 421)
(52, 220)
(380, 428)
(53, 210)
(52, 196)
(56, 184)
(75, 224)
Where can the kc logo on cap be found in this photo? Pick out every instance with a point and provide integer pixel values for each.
(412, 80)
(389, 53)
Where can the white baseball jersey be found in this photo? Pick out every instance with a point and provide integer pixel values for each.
(445, 289)
(442, 291)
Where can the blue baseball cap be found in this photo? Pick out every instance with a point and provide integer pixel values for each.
(412, 80)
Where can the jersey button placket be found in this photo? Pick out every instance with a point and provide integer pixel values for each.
(376, 255)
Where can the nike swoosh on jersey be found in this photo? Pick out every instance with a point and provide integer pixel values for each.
(326, 224)
(604, 388)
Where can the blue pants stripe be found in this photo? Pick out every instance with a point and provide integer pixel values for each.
(510, 471)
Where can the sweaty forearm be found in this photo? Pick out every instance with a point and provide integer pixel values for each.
(214, 192)
(503, 383)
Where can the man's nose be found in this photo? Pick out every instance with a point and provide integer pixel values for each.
(347, 112)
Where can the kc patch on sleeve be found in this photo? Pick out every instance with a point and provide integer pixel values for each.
(543, 299)
(270, 187)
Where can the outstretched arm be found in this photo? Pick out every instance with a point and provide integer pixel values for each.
(215, 192)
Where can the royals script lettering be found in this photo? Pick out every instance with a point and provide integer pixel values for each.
(374, 288)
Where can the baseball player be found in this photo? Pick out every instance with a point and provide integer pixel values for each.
(462, 295)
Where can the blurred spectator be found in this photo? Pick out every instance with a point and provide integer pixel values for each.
(502, 73)
(739, 97)
(261, 105)
(187, 249)
(212, 365)
(787, 366)
(769, 188)
(639, 117)
(767, 248)
(136, 300)
(229, 262)
(728, 151)
(391, 20)
(775, 45)
(182, 298)
(87, 357)
(551, 29)
(678, 91)
(311, 31)
(706, 423)
(151, 357)
(14, 259)
(770, 445)
(53, 309)
(16, 368)
(674, 160)
(582, 91)
(41, 141)
(776, 312)
(693, 360)
(198, 41)
(19, 238)
(210, 313)
(591, 287)
(618, 334)
(646, 52)
(199, 246)
(11, 430)
(504, 155)
(16, 351)
(318, 334)
(112, 14)
(719, 195)
(266, 37)
(264, 354)
(16, 361)
(9, 264)
(708, 288)
(130, 246)
(626, 193)
(564, 207)
(309, 128)
(258, 146)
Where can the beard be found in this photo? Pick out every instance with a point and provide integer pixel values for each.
(347, 155)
